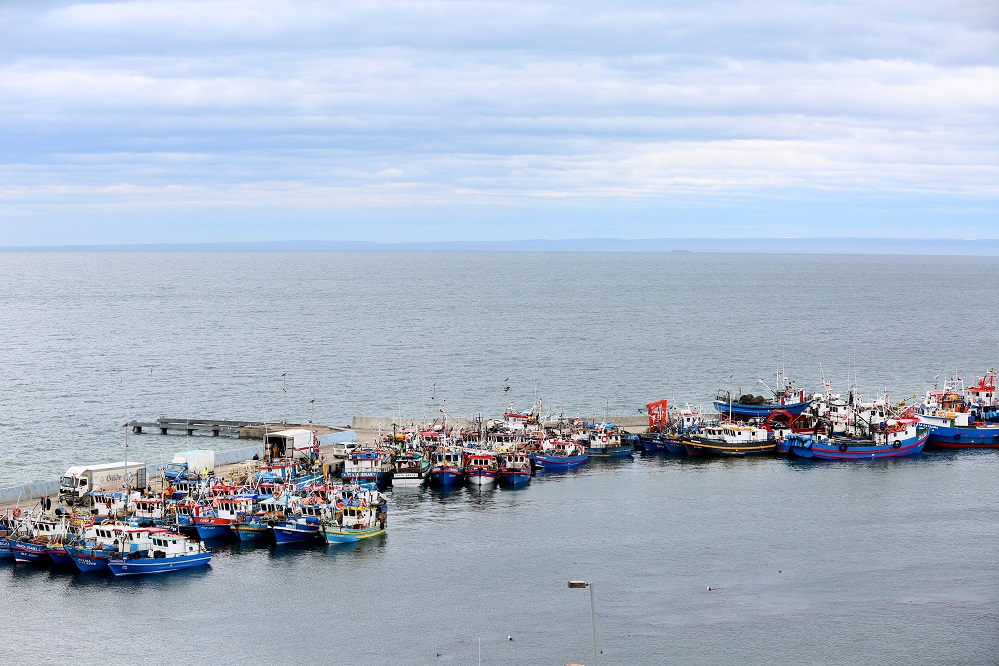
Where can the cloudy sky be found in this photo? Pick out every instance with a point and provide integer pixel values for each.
(160, 121)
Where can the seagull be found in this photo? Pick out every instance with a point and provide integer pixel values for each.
(509, 638)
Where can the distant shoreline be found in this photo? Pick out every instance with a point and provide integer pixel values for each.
(872, 246)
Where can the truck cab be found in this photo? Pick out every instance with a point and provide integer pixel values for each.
(73, 488)
(176, 470)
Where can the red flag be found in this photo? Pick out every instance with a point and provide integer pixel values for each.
(657, 413)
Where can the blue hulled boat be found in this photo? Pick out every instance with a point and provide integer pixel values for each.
(31, 552)
(962, 421)
(607, 443)
(514, 469)
(446, 468)
(898, 438)
(168, 552)
(789, 400)
(296, 529)
(560, 454)
(252, 527)
(215, 521)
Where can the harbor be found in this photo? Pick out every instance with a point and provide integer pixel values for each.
(313, 483)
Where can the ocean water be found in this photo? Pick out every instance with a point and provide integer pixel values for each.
(889, 562)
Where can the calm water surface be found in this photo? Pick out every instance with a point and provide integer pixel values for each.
(889, 562)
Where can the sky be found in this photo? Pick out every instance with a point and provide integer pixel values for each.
(239, 120)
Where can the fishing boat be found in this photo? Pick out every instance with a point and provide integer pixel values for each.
(5, 552)
(481, 468)
(514, 469)
(301, 522)
(605, 442)
(167, 552)
(296, 529)
(728, 439)
(252, 527)
(560, 454)
(895, 438)
(369, 466)
(30, 541)
(98, 544)
(362, 515)
(743, 407)
(57, 552)
(446, 468)
(213, 521)
(962, 420)
(411, 469)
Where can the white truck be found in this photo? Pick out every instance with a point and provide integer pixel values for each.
(190, 462)
(291, 443)
(79, 481)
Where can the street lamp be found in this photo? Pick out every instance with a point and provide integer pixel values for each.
(573, 584)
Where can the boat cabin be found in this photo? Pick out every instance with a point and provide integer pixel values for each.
(148, 508)
(135, 539)
(731, 433)
(172, 545)
(450, 458)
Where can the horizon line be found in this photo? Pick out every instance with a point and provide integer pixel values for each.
(736, 244)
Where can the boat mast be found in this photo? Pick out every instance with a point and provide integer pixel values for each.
(125, 499)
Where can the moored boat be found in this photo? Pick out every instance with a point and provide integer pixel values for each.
(481, 468)
(896, 438)
(605, 442)
(215, 520)
(514, 469)
(362, 515)
(736, 406)
(726, 439)
(560, 454)
(446, 468)
(369, 466)
(411, 469)
(962, 420)
(167, 552)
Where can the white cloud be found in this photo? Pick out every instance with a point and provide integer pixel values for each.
(437, 104)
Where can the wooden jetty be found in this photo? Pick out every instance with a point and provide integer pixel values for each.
(241, 429)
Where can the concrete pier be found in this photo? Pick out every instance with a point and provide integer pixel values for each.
(217, 427)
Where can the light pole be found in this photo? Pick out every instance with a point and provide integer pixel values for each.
(573, 584)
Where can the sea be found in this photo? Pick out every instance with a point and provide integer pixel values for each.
(728, 561)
